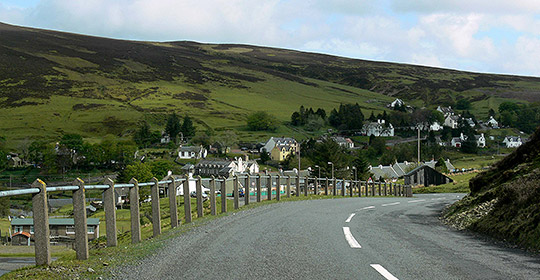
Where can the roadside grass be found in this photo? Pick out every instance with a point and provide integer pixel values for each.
(103, 258)
(473, 161)
(460, 185)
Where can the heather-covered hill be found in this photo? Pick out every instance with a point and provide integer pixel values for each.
(54, 82)
(505, 201)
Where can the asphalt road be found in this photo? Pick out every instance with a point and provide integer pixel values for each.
(386, 238)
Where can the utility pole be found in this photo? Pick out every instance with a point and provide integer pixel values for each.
(298, 145)
(418, 144)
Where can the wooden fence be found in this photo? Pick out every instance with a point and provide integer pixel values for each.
(273, 186)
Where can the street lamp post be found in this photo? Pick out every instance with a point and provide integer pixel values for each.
(330, 163)
(355, 173)
(319, 170)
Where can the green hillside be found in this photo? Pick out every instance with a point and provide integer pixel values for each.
(505, 200)
(53, 83)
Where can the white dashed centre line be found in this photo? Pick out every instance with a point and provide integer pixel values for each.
(368, 207)
(350, 217)
(384, 272)
(350, 238)
(390, 204)
(420, 200)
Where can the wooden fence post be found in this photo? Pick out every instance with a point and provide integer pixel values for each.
(212, 186)
(198, 188)
(334, 189)
(42, 246)
(235, 192)
(134, 211)
(173, 205)
(326, 187)
(351, 188)
(343, 187)
(109, 204)
(278, 187)
(246, 190)
(316, 187)
(187, 201)
(259, 189)
(379, 187)
(79, 216)
(223, 195)
(306, 186)
(288, 186)
(156, 214)
(269, 187)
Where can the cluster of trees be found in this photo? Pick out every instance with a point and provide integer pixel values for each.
(347, 117)
(311, 119)
(71, 152)
(321, 153)
(174, 128)
(260, 121)
(525, 117)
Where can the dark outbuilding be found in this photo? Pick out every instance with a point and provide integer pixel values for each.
(425, 175)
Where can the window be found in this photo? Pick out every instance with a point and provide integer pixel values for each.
(70, 229)
(18, 228)
(90, 229)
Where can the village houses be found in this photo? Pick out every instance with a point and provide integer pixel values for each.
(192, 152)
(379, 128)
(512, 141)
(61, 230)
(280, 147)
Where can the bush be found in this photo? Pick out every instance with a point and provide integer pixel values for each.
(261, 121)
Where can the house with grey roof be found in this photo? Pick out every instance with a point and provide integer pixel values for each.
(425, 175)
(447, 162)
(512, 141)
(192, 152)
(279, 141)
(379, 128)
(225, 167)
(343, 142)
(383, 172)
(61, 230)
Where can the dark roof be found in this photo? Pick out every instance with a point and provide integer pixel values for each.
(427, 166)
(56, 222)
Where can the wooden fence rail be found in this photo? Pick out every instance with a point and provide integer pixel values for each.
(287, 185)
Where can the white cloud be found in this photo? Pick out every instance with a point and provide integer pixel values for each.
(467, 6)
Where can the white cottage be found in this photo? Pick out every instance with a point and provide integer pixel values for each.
(512, 141)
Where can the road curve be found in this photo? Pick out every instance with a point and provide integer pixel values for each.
(397, 238)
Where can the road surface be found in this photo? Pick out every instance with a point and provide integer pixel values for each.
(350, 238)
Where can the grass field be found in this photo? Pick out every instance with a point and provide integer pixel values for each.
(460, 185)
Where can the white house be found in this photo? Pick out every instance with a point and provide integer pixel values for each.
(343, 142)
(274, 141)
(165, 138)
(480, 140)
(379, 128)
(469, 121)
(396, 103)
(458, 141)
(492, 122)
(451, 121)
(225, 168)
(512, 141)
(435, 126)
(445, 110)
(192, 152)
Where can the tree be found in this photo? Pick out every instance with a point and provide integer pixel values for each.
(261, 120)
(264, 156)
(491, 112)
(329, 151)
(140, 171)
(172, 128)
(441, 166)
(187, 127)
(463, 104)
(362, 166)
(72, 141)
(203, 138)
(469, 146)
(144, 137)
(226, 140)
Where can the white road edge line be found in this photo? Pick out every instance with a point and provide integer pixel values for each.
(368, 207)
(350, 238)
(384, 272)
(350, 217)
(420, 200)
(389, 204)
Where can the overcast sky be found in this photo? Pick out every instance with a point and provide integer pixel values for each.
(496, 36)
